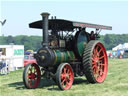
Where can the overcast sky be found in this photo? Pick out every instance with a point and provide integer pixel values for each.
(20, 13)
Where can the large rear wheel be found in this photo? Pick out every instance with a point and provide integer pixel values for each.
(95, 62)
(64, 76)
(31, 76)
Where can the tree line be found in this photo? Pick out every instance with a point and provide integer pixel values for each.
(112, 40)
(29, 42)
(34, 42)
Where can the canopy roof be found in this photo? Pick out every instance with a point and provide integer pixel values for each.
(120, 46)
(66, 25)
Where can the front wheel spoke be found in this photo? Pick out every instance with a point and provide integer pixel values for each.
(34, 70)
(30, 82)
(67, 81)
(33, 78)
(69, 74)
(64, 70)
(28, 79)
(63, 82)
(67, 71)
(37, 76)
(62, 75)
(30, 69)
(29, 76)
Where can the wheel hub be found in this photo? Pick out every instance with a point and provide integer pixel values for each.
(67, 76)
(33, 75)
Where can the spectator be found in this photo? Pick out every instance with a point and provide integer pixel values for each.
(3, 65)
(110, 55)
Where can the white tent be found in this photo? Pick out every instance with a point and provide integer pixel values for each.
(117, 47)
(125, 46)
(120, 46)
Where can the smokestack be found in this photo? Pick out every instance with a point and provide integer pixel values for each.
(45, 28)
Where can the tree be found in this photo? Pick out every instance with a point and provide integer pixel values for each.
(10, 39)
(107, 39)
(24, 39)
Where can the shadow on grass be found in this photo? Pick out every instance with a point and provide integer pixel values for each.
(17, 85)
(46, 83)
(80, 81)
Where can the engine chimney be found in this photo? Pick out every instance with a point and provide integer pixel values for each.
(45, 28)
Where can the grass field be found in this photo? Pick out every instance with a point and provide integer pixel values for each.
(116, 84)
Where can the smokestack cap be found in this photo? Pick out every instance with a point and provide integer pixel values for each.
(45, 14)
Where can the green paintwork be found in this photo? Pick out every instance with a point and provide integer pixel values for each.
(63, 56)
(81, 42)
(81, 48)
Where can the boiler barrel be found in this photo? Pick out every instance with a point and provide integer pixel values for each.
(47, 57)
(63, 56)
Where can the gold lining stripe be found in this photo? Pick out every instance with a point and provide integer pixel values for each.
(62, 56)
(73, 55)
(69, 55)
(55, 57)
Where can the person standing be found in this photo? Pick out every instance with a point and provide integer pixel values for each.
(3, 64)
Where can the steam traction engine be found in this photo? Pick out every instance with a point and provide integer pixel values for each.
(67, 51)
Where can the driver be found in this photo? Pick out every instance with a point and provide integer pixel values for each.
(92, 35)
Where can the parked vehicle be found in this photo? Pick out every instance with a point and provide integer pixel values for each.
(29, 59)
(125, 55)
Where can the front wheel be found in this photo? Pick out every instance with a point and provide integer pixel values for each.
(31, 76)
(64, 76)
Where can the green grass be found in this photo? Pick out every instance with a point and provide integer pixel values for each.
(116, 84)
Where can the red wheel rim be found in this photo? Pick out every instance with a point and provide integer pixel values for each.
(33, 76)
(66, 77)
(99, 62)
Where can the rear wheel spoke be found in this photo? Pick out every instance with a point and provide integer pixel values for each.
(96, 50)
(101, 57)
(99, 51)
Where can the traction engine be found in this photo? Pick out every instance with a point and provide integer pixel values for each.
(68, 51)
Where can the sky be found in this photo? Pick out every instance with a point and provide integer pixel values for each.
(19, 13)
